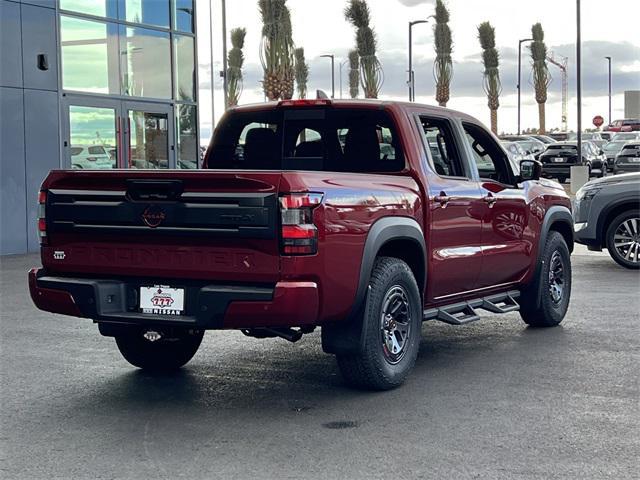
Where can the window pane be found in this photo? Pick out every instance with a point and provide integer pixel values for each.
(92, 132)
(89, 55)
(185, 68)
(99, 8)
(152, 12)
(184, 15)
(149, 139)
(187, 137)
(146, 59)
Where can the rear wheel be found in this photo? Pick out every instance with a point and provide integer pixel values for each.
(545, 301)
(623, 239)
(164, 354)
(392, 320)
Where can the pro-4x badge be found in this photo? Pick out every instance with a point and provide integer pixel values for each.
(59, 255)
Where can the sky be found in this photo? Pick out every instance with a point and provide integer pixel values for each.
(319, 26)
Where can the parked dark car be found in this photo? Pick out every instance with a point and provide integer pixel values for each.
(607, 215)
(611, 150)
(628, 160)
(420, 216)
(558, 159)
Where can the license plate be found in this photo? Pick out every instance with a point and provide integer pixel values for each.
(558, 160)
(634, 160)
(162, 300)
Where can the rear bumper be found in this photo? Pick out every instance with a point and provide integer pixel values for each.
(206, 306)
(626, 168)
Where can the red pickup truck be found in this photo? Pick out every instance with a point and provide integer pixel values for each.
(364, 218)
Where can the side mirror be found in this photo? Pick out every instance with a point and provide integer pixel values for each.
(530, 170)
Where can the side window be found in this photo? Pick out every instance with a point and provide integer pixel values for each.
(439, 140)
(491, 161)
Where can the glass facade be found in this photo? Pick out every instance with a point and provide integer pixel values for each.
(142, 50)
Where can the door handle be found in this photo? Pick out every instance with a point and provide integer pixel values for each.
(442, 199)
(490, 199)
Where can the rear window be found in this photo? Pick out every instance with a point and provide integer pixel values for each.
(76, 151)
(630, 149)
(97, 151)
(316, 139)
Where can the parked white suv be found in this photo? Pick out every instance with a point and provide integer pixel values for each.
(91, 157)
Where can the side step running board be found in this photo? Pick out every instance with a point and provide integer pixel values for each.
(465, 312)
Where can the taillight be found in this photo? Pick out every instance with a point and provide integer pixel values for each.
(42, 222)
(299, 234)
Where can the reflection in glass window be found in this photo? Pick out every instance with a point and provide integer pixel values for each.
(146, 63)
(185, 68)
(99, 8)
(151, 12)
(92, 131)
(89, 55)
(187, 137)
(184, 15)
(149, 139)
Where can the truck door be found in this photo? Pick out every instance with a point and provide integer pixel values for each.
(455, 225)
(507, 239)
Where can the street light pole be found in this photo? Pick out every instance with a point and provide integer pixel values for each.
(411, 82)
(520, 42)
(579, 77)
(609, 60)
(333, 76)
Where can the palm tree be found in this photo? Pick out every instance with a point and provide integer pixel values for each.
(354, 73)
(491, 60)
(540, 72)
(443, 65)
(371, 77)
(302, 72)
(235, 61)
(276, 49)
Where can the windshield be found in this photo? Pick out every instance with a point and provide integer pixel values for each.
(613, 146)
(314, 138)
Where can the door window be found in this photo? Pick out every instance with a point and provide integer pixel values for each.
(443, 155)
(148, 139)
(92, 135)
(489, 158)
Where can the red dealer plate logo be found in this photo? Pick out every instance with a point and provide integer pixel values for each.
(162, 300)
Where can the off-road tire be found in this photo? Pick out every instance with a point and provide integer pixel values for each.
(537, 305)
(562, 179)
(168, 353)
(370, 368)
(611, 231)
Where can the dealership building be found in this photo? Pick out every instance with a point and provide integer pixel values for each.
(91, 84)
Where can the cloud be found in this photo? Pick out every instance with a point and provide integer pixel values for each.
(413, 3)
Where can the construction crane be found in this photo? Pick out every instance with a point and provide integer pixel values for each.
(562, 65)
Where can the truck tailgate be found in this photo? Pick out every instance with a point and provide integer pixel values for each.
(209, 225)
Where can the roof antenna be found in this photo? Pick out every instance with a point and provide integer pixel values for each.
(320, 95)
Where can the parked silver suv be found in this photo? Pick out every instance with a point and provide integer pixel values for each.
(607, 215)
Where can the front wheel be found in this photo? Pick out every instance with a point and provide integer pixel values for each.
(392, 320)
(545, 301)
(167, 353)
(623, 239)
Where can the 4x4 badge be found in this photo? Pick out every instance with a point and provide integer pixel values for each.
(153, 216)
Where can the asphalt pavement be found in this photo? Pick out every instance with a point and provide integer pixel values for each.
(491, 400)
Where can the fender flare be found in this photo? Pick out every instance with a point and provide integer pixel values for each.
(556, 213)
(347, 336)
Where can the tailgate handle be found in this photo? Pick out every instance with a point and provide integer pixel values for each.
(154, 190)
